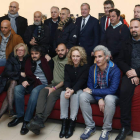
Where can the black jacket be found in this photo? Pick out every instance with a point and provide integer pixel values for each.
(48, 22)
(76, 78)
(124, 59)
(21, 24)
(68, 35)
(12, 71)
(44, 41)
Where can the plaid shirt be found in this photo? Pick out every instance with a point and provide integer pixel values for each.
(101, 78)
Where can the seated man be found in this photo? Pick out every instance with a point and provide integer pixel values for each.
(129, 63)
(37, 34)
(50, 94)
(38, 76)
(103, 83)
(8, 40)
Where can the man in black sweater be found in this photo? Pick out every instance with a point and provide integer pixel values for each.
(18, 23)
(115, 34)
(52, 23)
(129, 63)
(37, 34)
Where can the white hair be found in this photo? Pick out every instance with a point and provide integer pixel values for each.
(104, 49)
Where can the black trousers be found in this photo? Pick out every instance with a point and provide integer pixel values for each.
(90, 60)
(126, 94)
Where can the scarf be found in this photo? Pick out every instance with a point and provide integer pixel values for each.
(61, 24)
(13, 21)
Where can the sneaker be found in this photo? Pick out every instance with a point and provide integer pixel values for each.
(88, 132)
(104, 135)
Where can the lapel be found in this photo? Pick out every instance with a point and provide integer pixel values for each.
(103, 23)
(87, 25)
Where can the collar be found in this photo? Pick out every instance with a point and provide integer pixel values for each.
(98, 70)
(86, 17)
(120, 23)
(3, 37)
(135, 39)
(55, 21)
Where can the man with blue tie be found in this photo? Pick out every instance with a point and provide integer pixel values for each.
(88, 31)
(105, 20)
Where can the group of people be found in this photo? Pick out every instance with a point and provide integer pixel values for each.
(78, 62)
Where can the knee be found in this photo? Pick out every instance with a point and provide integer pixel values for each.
(109, 100)
(17, 90)
(83, 97)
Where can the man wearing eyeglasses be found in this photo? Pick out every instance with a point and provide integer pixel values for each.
(18, 23)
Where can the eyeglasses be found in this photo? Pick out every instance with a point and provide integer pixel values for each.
(19, 50)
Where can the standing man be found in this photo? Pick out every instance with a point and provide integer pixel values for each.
(38, 76)
(52, 23)
(88, 31)
(115, 34)
(37, 34)
(50, 94)
(18, 23)
(137, 11)
(105, 20)
(8, 40)
(103, 83)
(129, 63)
(66, 31)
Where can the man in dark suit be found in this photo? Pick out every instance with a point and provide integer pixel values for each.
(37, 34)
(88, 31)
(105, 20)
(18, 23)
(52, 23)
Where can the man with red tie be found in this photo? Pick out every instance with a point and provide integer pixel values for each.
(105, 20)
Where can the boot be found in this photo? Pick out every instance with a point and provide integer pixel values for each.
(63, 128)
(70, 129)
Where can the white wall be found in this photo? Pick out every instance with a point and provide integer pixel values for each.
(28, 7)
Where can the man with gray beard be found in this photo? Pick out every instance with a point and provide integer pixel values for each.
(37, 34)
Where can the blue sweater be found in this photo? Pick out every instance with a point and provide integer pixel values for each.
(112, 79)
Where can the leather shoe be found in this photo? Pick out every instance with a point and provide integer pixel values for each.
(123, 133)
(15, 121)
(35, 131)
(24, 130)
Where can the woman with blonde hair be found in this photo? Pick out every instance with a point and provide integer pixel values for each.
(14, 69)
(75, 79)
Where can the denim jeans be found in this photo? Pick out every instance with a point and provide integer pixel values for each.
(20, 91)
(2, 62)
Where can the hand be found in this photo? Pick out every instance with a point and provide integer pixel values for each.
(50, 90)
(25, 84)
(47, 57)
(23, 74)
(68, 93)
(87, 90)
(135, 80)
(101, 105)
(131, 73)
(33, 42)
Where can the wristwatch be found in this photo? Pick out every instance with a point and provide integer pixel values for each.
(90, 91)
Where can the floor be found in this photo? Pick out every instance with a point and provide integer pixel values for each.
(50, 132)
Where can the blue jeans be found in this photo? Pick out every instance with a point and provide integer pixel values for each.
(2, 62)
(20, 91)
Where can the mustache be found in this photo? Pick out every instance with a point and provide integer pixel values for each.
(34, 57)
(134, 32)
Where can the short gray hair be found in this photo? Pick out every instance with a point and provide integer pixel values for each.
(104, 49)
(83, 4)
(55, 7)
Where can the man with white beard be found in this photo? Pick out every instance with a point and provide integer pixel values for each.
(37, 34)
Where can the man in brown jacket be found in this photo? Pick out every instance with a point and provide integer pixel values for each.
(8, 40)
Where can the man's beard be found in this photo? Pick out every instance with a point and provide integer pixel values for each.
(64, 56)
(134, 35)
(37, 23)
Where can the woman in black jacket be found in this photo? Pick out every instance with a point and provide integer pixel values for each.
(14, 69)
(75, 79)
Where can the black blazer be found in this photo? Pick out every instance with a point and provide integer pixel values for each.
(76, 78)
(21, 24)
(88, 37)
(102, 27)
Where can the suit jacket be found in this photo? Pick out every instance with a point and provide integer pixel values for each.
(88, 37)
(21, 24)
(102, 27)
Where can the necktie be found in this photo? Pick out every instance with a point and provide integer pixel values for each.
(107, 22)
(83, 25)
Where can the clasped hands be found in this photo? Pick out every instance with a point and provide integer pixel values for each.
(68, 93)
(33, 42)
(133, 75)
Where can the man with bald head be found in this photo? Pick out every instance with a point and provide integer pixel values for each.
(8, 40)
(18, 23)
(37, 34)
(52, 23)
(66, 31)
